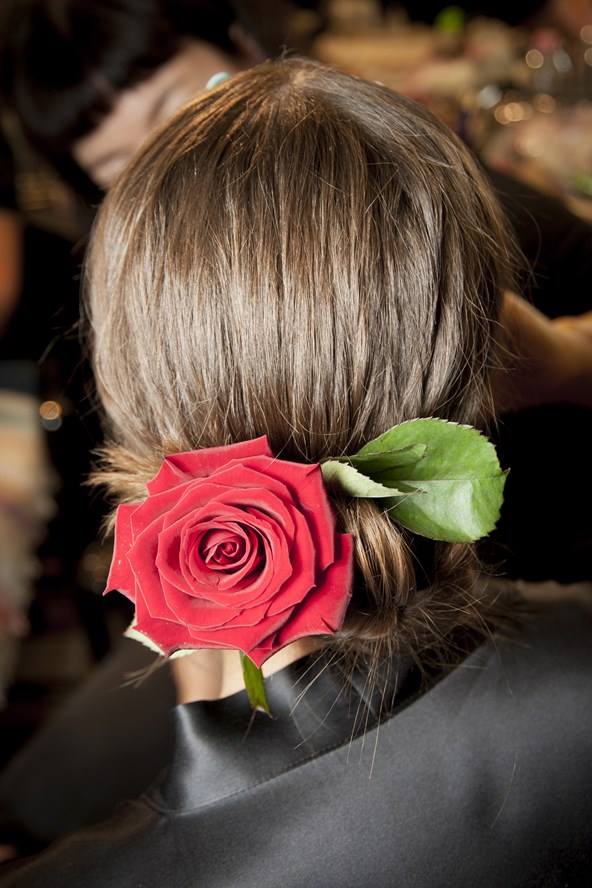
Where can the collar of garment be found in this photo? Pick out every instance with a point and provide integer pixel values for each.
(223, 748)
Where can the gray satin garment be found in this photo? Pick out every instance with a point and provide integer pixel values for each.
(483, 780)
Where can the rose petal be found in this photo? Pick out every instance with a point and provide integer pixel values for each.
(238, 475)
(191, 611)
(323, 611)
(168, 560)
(142, 559)
(258, 654)
(200, 615)
(121, 577)
(303, 577)
(263, 652)
(169, 636)
(153, 508)
(241, 638)
(201, 463)
(306, 487)
(202, 498)
(168, 476)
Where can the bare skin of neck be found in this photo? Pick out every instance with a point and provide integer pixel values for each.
(212, 674)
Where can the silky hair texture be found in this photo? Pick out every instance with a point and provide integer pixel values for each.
(304, 255)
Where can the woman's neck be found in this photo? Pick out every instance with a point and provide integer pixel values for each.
(213, 674)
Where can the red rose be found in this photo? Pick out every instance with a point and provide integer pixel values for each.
(233, 548)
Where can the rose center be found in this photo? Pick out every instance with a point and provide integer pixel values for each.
(224, 553)
(229, 550)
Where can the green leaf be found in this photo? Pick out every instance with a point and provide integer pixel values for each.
(254, 684)
(377, 456)
(458, 480)
(352, 482)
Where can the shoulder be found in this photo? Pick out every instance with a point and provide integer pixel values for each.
(540, 674)
(550, 652)
(539, 716)
(528, 701)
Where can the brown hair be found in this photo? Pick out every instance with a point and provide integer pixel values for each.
(309, 256)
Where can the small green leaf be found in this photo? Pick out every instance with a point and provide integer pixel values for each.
(352, 482)
(375, 457)
(254, 684)
(458, 477)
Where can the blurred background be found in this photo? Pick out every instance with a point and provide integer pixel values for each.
(81, 85)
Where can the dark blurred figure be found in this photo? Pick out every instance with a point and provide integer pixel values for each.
(90, 80)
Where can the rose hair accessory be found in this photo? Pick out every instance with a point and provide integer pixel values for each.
(233, 548)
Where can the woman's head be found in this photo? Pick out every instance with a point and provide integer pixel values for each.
(90, 79)
(308, 256)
